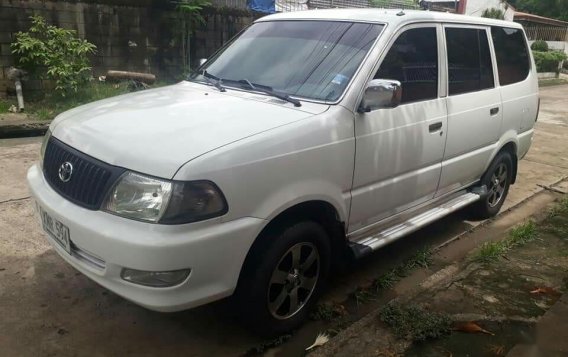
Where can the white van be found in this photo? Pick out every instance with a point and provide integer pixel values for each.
(309, 135)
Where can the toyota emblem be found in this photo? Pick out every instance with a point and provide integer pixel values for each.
(65, 171)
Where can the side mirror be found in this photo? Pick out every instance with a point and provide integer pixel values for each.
(202, 61)
(381, 93)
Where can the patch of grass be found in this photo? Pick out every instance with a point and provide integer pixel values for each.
(266, 345)
(414, 323)
(385, 281)
(518, 236)
(327, 312)
(44, 114)
(52, 104)
(558, 209)
(362, 295)
(421, 259)
(522, 234)
(4, 106)
(551, 82)
(491, 251)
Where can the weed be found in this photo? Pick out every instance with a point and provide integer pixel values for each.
(362, 295)
(559, 230)
(44, 114)
(385, 281)
(422, 258)
(327, 312)
(518, 236)
(414, 323)
(563, 205)
(4, 106)
(490, 251)
(266, 345)
(53, 104)
(559, 208)
(522, 234)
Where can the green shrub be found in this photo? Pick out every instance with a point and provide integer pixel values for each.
(56, 53)
(548, 61)
(493, 13)
(539, 45)
(408, 4)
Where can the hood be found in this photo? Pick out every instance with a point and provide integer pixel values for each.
(157, 131)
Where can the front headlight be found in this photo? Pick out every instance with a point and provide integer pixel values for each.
(155, 200)
(139, 197)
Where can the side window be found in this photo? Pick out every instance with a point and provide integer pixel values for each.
(469, 60)
(512, 54)
(413, 60)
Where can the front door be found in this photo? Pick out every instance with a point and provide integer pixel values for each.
(399, 150)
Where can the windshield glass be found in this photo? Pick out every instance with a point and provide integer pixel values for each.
(308, 59)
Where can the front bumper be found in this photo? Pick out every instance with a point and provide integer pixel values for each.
(103, 244)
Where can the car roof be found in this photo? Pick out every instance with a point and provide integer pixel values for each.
(388, 16)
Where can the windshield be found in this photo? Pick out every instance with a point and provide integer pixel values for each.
(307, 59)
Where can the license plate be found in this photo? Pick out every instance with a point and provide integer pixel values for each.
(57, 230)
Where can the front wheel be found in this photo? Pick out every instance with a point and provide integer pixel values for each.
(497, 179)
(284, 278)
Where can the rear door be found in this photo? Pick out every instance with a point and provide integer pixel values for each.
(474, 106)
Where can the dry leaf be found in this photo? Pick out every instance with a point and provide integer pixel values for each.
(471, 327)
(321, 339)
(545, 290)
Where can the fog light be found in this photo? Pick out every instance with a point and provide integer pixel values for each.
(157, 279)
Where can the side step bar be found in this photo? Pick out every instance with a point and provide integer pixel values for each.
(368, 244)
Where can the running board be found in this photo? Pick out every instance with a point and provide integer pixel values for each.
(371, 243)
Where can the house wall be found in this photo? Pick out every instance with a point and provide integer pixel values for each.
(476, 7)
(141, 36)
(555, 45)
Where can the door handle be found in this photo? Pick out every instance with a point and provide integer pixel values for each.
(494, 111)
(435, 127)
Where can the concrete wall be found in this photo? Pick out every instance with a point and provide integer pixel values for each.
(476, 7)
(556, 45)
(143, 38)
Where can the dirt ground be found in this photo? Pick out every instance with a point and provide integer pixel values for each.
(48, 309)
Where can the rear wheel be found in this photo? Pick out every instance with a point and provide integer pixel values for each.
(284, 277)
(497, 179)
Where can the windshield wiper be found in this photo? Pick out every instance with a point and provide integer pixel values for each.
(268, 90)
(213, 80)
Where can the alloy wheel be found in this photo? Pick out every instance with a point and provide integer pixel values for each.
(497, 185)
(293, 280)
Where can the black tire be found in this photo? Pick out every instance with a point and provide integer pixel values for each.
(491, 203)
(260, 290)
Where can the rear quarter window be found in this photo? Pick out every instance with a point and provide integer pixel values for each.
(513, 61)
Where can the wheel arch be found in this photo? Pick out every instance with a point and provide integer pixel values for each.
(511, 148)
(319, 211)
(509, 144)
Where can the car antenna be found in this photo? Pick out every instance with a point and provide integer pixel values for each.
(401, 13)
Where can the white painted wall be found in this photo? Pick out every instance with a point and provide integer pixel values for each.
(556, 45)
(476, 7)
